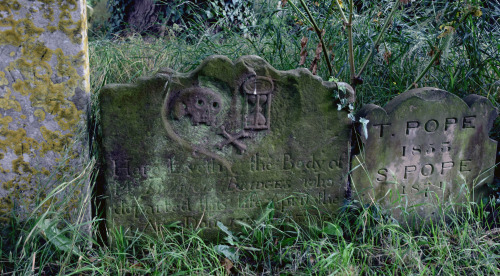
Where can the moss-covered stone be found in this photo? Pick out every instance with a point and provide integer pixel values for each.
(219, 143)
(426, 147)
(44, 91)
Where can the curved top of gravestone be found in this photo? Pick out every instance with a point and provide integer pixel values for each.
(427, 95)
(222, 68)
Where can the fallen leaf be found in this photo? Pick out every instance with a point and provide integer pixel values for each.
(136, 264)
(228, 265)
(387, 56)
(476, 11)
(312, 261)
(448, 30)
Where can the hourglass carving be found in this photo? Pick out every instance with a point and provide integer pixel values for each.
(258, 94)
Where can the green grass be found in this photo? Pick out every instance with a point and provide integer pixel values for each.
(361, 239)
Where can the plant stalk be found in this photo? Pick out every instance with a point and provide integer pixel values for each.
(438, 52)
(434, 58)
(328, 14)
(351, 46)
(319, 33)
(341, 11)
(377, 41)
(300, 12)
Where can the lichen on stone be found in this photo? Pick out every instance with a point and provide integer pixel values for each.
(43, 78)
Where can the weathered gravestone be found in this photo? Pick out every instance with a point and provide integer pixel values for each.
(44, 91)
(221, 142)
(425, 147)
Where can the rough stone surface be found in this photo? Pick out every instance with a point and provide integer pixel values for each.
(425, 147)
(44, 92)
(221, 142)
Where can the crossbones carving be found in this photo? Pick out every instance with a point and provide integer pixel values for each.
(233, 139)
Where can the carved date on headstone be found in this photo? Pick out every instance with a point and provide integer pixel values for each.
(424, 148)
(221, 142)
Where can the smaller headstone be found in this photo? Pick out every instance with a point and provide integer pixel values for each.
(424, 148)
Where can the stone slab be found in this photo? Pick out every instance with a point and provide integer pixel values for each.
(44, 92)
(424, 148)
(221, 142)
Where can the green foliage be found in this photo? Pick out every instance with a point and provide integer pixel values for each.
(92, 3)
(98, 24)
(235, 14)
(118, 9)
(360, 239)
(185, 14)
(48, 242)
(441, 29)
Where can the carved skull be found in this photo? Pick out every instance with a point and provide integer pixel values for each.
(202, 104)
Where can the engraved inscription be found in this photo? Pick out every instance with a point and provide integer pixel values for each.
(436, 149)
(426, 149)
(427, 145)
(146, 181)
(426, 170)
(433, 125)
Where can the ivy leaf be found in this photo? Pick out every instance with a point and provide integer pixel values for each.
(228, 251)
(56, 237)
(332, 229)
(364, 122)
(231, 239)
(268, 213)
(333, 79)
